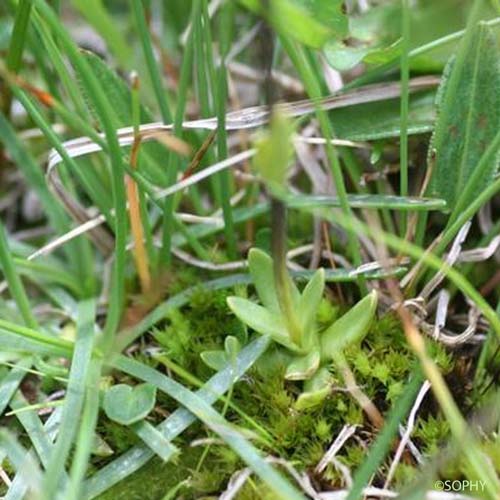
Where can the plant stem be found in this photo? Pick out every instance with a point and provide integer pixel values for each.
(281, 277)
(299, 59)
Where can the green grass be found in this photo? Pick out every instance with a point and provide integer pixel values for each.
(377, 203)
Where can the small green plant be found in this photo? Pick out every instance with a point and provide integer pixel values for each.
(310, 351)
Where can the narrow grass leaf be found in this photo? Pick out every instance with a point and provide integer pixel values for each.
(18, 38)
(368, 201)
(96, 14)
(10, 382)
(155, 440)
(73, 402)
(382, 445)
(23, 461)
(147, 49)
(32, 173)
(14, 281)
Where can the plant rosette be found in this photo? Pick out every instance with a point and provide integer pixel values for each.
(314, 351)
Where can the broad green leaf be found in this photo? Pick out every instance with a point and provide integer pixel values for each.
(261, 320)
(303, 367)
(119, 97)
(126, 405)
(261, 270)
(117, 91)
(312, 22)
(350, 328)
(374, 38)
(316, 390)
(381, 120)
(217, 360)
(468, 119)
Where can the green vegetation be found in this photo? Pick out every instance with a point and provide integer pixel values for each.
(248, 249)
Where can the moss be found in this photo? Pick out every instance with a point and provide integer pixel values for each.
(119, 437)
(381, 365)
(155, 479)
(431, 433)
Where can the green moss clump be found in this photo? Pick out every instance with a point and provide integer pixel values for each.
(381, 365)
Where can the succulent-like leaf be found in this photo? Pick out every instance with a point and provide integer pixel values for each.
(316, 390)
(261, 270)
(350, 328)
(125, 404)
(309, 303)
(261, 320)
(303, 367)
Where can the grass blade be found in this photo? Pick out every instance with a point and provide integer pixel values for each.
(15, 284)
(367, 201)
(74, 400)
(382, 444)
(147, 49)
(11, 381)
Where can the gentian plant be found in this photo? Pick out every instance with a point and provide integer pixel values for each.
(286, 314)
(311, 352)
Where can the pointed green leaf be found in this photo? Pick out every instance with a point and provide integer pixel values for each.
(261, 270)
(261, 320)
(303, 367)
(125, 404)
(316, 390)
(309, 302)
(468, 119)
(350, 328)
